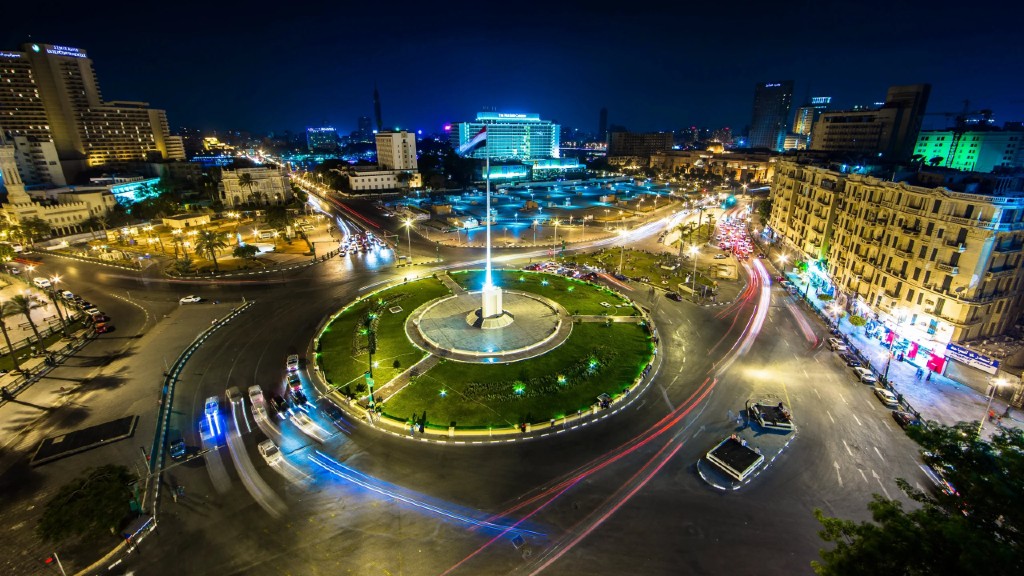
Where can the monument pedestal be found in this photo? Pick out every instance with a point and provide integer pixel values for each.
(490, 316)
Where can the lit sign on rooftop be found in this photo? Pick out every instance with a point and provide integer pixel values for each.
(821, 100)
(773, 85)
(56, 50)
(10, 55)
(506, 116)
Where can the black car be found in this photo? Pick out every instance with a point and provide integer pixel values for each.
(331, 412)
(904, 419)
(850, 360)
(298, 397)
(674, 296)
(279, 405)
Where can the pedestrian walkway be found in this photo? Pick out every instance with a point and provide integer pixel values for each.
(451, 284)
(934, 396)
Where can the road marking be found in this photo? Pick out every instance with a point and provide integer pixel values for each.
(806, 375)
(870, 403)
(840, 478)
(882, 486)
(879, 453)
(816, 359)
(848, 451)
(857, 419)
(816, 393)
(664, 394)
(862, 475)
(830, 416)
(844, 399)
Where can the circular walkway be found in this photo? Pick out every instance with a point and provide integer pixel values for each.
(440, 327)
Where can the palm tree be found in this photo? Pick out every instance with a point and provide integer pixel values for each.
(209, 242)
(7, 310)
(246, 181)
(23, 304)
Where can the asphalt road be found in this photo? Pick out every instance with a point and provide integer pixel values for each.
(622, 496)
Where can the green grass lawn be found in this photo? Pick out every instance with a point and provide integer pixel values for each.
(638, 263)
(342, 353)
(576, 296)
(483, 395)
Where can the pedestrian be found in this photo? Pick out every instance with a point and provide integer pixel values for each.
(928, 378)
(730, 414)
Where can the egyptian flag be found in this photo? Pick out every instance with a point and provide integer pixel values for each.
(475, 142)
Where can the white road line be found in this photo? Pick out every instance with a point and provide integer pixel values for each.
(816, 359)
(806, 375)
(862, 475)
(840, 478)
(879, 453)
(844, 399)
(870, 403)
(857, 419)
(848, 451)
(830, 416)
(882, 486)
(816, 393)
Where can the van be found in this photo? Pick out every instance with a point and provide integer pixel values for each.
(41, 282)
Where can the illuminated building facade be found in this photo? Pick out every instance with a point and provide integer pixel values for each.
(888, 132)
(322, 140)
(936, 265)
(396, 150)
(510, 136)
(50, 93)
(771, 120)
(270, 186)
(977, 151)
(741, 166)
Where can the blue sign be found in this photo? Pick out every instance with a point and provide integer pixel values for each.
(972, 358)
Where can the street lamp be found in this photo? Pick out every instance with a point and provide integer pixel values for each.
(693, 254)
(991, 394)
(622, 251)
(408, 236)
(534, 231)
(554, 243)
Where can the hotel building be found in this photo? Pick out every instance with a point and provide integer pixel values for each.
(510, 136)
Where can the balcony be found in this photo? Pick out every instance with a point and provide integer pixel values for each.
(904, 254)
(1008, 248)
(958, 246)
(951, 270)
(1001, 272)
(963, 221)
(911, 231)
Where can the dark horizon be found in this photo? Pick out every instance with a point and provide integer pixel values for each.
(663, 69)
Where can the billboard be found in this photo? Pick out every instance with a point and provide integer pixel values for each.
(972, 358)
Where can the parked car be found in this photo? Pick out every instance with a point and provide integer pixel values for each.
(886, 397)
(904, 419)
(190, 300)
(674, 296)
(177, 448)
(837, 345)
(850, 359)
(865, 375)
(270, 452)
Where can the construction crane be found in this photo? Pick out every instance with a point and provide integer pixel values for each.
(960, 126)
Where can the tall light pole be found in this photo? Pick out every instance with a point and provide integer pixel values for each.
(408, 237)
(693, 254)
(534, 231)
(554, 243)
(53, 296)
(622, 250)
(992, 393)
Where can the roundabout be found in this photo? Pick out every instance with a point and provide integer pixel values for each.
(431, 367)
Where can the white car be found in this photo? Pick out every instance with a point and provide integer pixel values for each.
(886, 397)
(864, 375)
(189, 300)
(836, 344)
(233, 394)
(256, 396)
(292, 363)
(41, 282)
(270, 452)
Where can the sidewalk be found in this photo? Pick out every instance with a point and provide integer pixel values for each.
(940, 398)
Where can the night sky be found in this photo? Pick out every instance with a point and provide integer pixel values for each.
(222, 65)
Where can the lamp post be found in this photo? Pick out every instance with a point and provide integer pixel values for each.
(408, 237)
(622, 251)
(534, 231)
(991, 394)
(693, 254)
(53, 296)
(554, 243)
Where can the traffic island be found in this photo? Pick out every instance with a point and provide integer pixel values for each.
(433, 373)
(751, 448)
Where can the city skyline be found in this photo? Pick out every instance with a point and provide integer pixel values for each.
(241, 70)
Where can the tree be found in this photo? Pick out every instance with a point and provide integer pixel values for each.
(7, 310)
(23, 304)
(35, 227)
(278, 217)
(246, 181)
(245, 251)
(936, 160)
(96, 502)
(6, 252)
(764, 210)
(208, 242)
(978, 528)
(858, 321)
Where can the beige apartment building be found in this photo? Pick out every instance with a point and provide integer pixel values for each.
(935, 264)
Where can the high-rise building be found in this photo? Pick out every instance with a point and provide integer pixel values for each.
(638, 144)
(509, 136)
(396, 150)
(971, 150)
(889, 132)
(50, 93)
(365, 127)
(771, 120)
(322, 140)
(602, 125)
(808, 114)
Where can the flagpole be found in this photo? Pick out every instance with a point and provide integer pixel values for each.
(487, 275)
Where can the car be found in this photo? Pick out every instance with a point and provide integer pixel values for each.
(99, 317)
(176, 448)
(292, 363)
(298, 397)
(14, 270)
(886, 397)
(256, 396)
(850, 359)
(67, 295)
(280, 406)
(190, 300)
(293, 381)
(904, 419)
(934, 470)
(92, 311)
(721, 256)
(865, 375)
(103, 328)
(233, 394)
(205, 431)
(837, 345)
(270, 452)
(674, 296)
(41, 282)
(212, 406)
